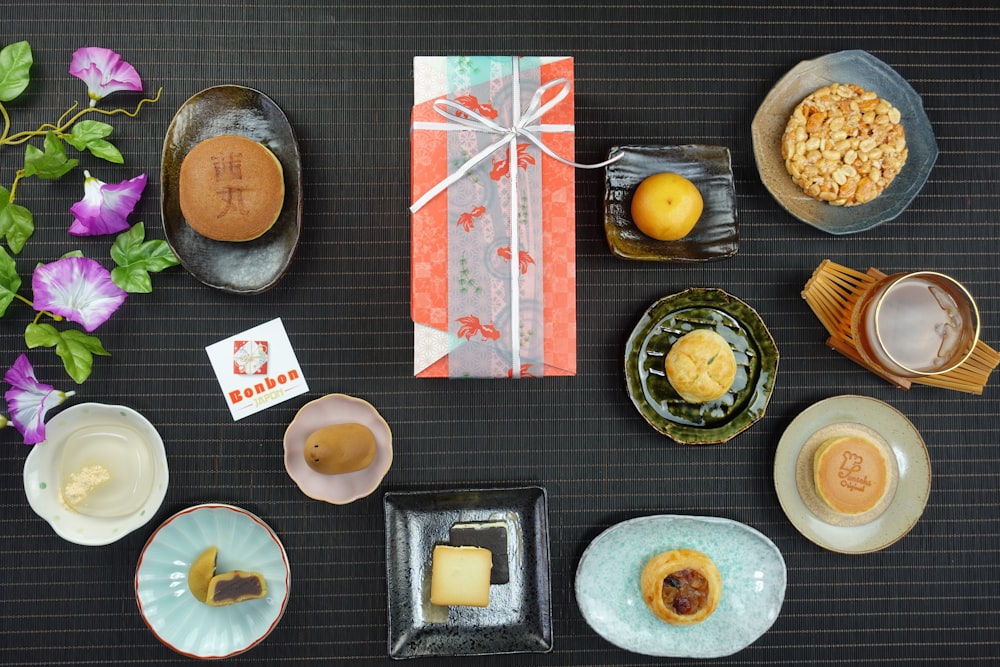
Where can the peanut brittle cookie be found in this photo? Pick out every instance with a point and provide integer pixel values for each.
(844, 145)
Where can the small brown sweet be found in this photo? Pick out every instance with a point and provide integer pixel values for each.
(701, 366)
(236, 586)
(340, 448)
(231, 188)
(201, 573)
(851, 474)
(681, 587)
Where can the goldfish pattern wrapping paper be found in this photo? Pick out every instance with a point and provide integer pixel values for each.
(461, 297)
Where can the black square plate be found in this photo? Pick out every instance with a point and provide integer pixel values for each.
(519, 616)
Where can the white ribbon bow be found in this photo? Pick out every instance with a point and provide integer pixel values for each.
(523, 125)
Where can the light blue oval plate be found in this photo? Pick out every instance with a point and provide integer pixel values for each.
(610, 598)
(183, 622)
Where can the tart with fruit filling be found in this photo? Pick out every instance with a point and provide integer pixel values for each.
(681, 587)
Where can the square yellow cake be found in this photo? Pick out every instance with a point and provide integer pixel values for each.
(460, 576)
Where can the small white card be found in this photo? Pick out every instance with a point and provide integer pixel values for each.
(257, 369)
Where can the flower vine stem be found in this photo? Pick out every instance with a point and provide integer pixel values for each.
(65, 123)
(57, 318)
(6, 122)
(18, 175)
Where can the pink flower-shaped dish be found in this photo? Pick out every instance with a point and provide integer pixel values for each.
(344, 488)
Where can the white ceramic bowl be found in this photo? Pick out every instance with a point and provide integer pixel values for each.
(337, 409)
(119, 438)
(188, 625)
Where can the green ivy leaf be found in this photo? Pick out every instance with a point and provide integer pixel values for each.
(41, 335)
(89, 135)
(137, 258)
(10, 282)
(51, 164)
(16, 222)
(88, 130)
(106, 151)
(75, 348)
(15, 67)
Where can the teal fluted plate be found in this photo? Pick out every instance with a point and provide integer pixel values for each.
(656, 400)
(609, 594)
(184, 623)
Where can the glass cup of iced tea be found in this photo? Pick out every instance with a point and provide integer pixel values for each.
(916, 324)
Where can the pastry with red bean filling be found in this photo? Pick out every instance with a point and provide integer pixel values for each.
(681, 587)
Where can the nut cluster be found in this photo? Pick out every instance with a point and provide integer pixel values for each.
(844, 145)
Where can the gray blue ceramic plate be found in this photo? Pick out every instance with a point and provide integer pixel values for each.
(912, 490)
(870, 73)
(248, 267)
(715, 235)
(610, 597)
(518, 618)
(756, 356)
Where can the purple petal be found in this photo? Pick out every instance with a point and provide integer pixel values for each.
(105, 208)
(79, 289)
(103, 71)
(28, 400)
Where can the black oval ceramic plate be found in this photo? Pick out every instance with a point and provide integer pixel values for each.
(253, 266)
(870, 73)
(756, 356)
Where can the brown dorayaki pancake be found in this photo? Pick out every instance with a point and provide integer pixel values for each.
(847, 474)
(231, 188)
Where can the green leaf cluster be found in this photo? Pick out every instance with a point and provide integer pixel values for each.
(51, 161)
(135, 257)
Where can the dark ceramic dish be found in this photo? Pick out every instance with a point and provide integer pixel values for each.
(243, 268)
(518, 618)
(715, 235)
(756, 356)
(867, 71)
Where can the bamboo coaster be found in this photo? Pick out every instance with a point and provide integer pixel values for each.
(833, 290)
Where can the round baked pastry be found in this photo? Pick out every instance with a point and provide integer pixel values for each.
(851, 474)
(844, 145)
(701, 366)
(231, 188)
(681, 587)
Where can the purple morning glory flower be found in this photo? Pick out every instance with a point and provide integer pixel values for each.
(105, 208)
(28, 400)
(79, 289)
(103, 71)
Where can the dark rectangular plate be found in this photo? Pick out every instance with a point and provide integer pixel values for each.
(519, 616)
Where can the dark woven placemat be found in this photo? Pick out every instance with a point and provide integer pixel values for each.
(645, 73)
